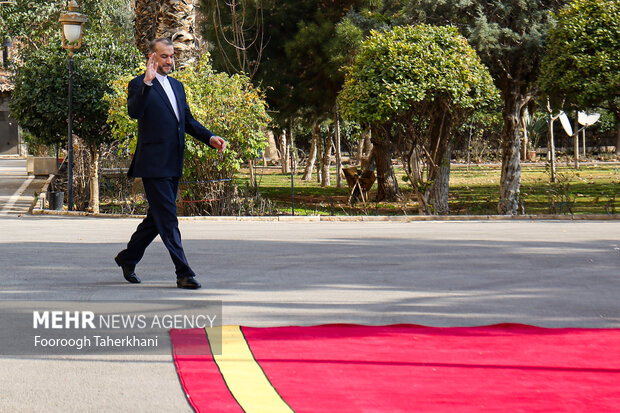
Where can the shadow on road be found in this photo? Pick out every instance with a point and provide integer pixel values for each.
(344, 280)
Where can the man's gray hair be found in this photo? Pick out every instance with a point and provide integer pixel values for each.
(164, 40)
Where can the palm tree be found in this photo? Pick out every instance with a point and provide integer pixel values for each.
(174, 19)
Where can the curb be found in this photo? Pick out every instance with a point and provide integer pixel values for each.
(365, 218)
(38, 208)
(38, 205)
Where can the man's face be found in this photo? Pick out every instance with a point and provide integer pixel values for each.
(164, 55)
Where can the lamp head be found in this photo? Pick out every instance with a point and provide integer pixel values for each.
(72, 24)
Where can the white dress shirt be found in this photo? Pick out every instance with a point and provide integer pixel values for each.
(165, 83)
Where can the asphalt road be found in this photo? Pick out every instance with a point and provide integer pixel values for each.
(551, 274)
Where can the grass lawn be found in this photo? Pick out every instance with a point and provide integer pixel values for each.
(593, 189)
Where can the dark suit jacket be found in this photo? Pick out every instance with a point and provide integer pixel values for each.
(161, 137)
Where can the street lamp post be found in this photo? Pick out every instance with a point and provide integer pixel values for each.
(72, 32)
(5, 52)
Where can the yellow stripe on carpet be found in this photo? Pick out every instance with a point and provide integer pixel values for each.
(244, 377)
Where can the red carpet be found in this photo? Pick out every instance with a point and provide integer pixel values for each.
(402, 368)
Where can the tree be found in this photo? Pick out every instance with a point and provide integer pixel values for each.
(42, 104)
(237, 45)
(40, 101)
(236, 30)
(288, 48)
(27, 23)
(315, 55)
(33, 25)
(413, 86)
(509, 36)
(173, 19)
(582, 64)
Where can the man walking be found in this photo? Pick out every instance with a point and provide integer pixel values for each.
(159, 104)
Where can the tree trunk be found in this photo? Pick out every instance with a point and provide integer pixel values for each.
(616, 110)
(312, 157)
(367, 151)
(173, 19)
(552, 147)
(284, 153)
(338, 152)
(471, 127)
(436, 196)
(327, 152)
(416, 166)
(551, 141)
(360, 149)
(252, 173)
(146, 23)
(271, 152)
(576, 140)
(583, 144)
(617, 134)
(293, 153)
(367, 143)
(386, 179)
(94, 179)
(320, 143)
(510, 183)
(440, 188)
(524, 114)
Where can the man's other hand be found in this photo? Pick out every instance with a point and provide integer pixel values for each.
(218, 143)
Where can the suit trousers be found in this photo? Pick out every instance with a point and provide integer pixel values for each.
(161, 219)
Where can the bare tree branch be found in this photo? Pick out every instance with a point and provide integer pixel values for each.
(244, 38)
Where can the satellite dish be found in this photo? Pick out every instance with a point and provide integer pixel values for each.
(566, 124)
(587, 120)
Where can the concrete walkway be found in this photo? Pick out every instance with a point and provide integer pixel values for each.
(552, 274)
(17, 189)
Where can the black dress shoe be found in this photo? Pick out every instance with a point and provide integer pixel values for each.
(128, 272)
(189, 283)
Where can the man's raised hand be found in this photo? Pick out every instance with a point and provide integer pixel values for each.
(151, 69)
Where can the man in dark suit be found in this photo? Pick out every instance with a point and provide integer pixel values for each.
(159, 104)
